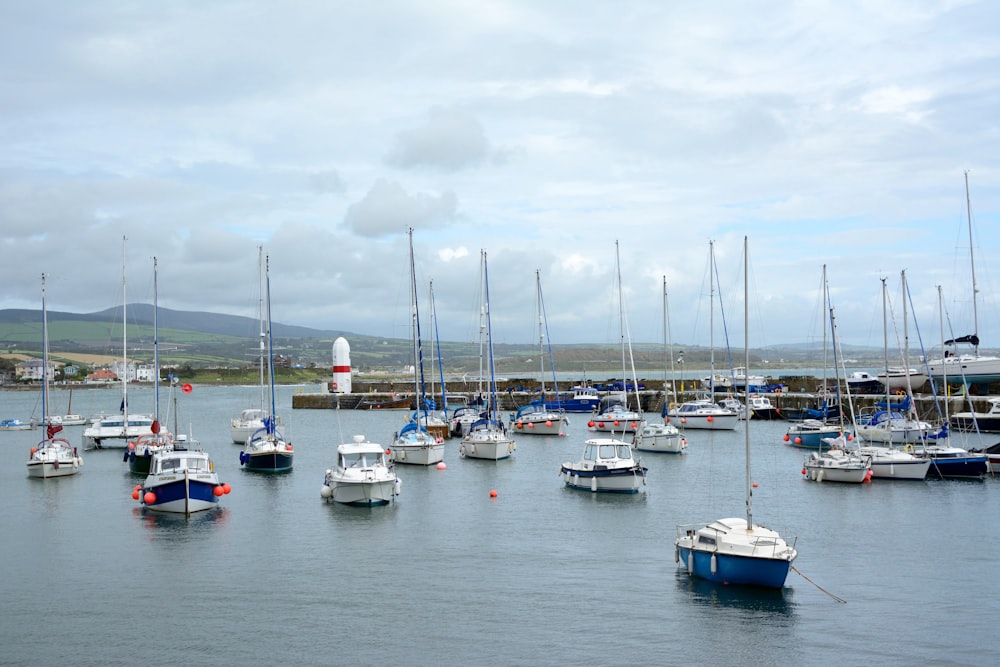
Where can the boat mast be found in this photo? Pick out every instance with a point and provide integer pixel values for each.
(493, 412)
(972, 266)
(746, 364)
(272, 418)
(418, 350)
(124, 347)
(543, 335)
(156, 358)
(711, 319)
(45, 362)
(437, 339)
(261, 339)
(541, 332)
(885, 354)
(483, 313)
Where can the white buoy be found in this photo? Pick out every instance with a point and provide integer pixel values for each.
(593, 484)
(325, 491)
(714, 564)
(691, 562)
(341, 383)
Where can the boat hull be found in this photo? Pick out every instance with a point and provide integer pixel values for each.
(628, 480)
(662, 439)
(735, 570)
(181, 494)
(418, 455)
(363, 494)
(491, 449)
(972, 467)
(268, 462)
(819, 473)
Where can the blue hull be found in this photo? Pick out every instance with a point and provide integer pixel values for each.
(170, 496)
(270, 462)
(812, 440)
(139, 465)
(737, 570)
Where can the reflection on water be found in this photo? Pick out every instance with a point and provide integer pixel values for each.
(176, 526)
(761, 602)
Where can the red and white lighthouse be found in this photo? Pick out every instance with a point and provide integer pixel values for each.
(341, 367)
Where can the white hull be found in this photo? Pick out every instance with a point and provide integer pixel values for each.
(241, 433)
(629, 483)
(710, 422)
(660, 438)
(420, 455)
(897, 435)
(843, 475)
(550, 424)
(492, 448)
(363, 493)
(50, 469)
(965, 368)
(115, 437)
(889, 463)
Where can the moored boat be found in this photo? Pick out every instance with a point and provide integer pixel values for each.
(362, 475)
(181, 481)
(606, 466)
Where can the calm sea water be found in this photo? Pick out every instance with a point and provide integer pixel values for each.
(539, 575)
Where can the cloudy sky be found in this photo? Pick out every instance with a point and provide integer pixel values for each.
(832, 133)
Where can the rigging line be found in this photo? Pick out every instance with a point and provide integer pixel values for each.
(835, 598)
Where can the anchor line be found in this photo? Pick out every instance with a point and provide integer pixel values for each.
(837, 599)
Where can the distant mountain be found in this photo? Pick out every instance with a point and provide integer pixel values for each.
(142, 313)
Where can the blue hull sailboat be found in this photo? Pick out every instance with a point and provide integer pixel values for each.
(735, 550)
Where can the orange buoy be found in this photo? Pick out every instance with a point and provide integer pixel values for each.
(600, 424)
(798, 440)
(616, 422)
(131, 446)
(493, 493)
(520, 425)
(187, 388)
(218, 491)
(787, 437)
(755, 485)
(226, 488)
(441, 465)
(548, 422)
(149, 498)
(591, 423)
(531, 425)
(708, 418)
(633, 424)
(135, 494)
(803, 471)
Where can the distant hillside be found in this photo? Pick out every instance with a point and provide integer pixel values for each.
(142, 313)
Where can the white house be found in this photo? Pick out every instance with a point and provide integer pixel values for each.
(32, 370)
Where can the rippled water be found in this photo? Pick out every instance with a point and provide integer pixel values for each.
(539, 575)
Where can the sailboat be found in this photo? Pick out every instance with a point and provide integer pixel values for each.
(266, 450)
(69, 418)
(894, 423)
(113, 430)
(140, 451)
(663, 437)
(536, 418)
(414, 444)
(52, 457)
(704, 413)
(972, 368)
(838, 463)
(251, 420)
(736, 550)
(487, 438)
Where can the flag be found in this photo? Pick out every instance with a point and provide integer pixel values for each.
(53, 429)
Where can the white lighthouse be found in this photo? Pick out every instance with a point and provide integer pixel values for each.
(341, 367)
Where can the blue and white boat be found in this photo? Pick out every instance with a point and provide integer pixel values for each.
(607, 465)
(734, 550)
(581, 398)
(181, 481)
(266, 450)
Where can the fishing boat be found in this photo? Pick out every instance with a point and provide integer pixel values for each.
(266, 450)
(251, 420)
(580, 398)
(52, 457)
(108, 431)
(736, 551)
(607, 465)
(363, 475)
(487, 437)
(414, 444)
(762, 408)
(139, 452)
(181, 481)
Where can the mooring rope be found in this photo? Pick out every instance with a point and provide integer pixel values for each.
(838, 599)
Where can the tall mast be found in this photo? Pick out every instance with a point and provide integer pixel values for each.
(262, 335)
(711, 318)
(45, 359)
(972, 266)
(493, 412)
(124, 347)
(541, 330)
(272, 418)
(746, 364)
(156, 355)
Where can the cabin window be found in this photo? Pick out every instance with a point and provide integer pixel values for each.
(624, 452)
(589, 454)
(607, 451)
(705, 539)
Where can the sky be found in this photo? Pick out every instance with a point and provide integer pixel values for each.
(828, 133)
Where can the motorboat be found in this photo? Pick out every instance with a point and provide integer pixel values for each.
(581, 398)
(606, 465)
(653, 437)
(992, 454)
(362, 476)
(761, 407)
(415, 446)
(703, 414)
(181, 481)
(809, 433)
(536, 419)
(249, 422)
(736, 551)
(17, 425)
(735, 405)
(115, 431)
(837, 464)
(863, 382)
(741, 380)
(984, 422)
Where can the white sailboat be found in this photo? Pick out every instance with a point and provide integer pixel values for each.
(487, 437)
(52, 457)
(736, 550)
(972, 367)
(116, 430)
(414, 444)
